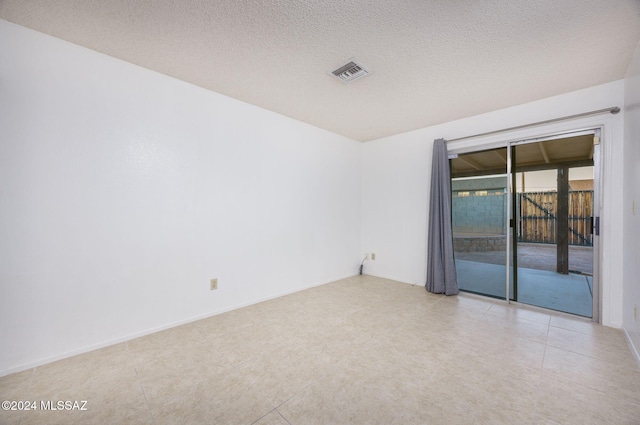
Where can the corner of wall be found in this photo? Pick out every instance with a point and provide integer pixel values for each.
(631, 204)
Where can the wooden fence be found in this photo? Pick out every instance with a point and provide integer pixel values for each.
(538, 217)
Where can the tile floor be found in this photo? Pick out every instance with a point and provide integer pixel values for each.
(362, 350)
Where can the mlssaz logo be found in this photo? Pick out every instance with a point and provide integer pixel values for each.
(63, 405)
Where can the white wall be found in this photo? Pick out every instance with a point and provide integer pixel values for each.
(396, 176)
(123, 191)
(631, 203)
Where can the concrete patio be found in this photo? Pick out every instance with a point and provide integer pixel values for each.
(538, 283)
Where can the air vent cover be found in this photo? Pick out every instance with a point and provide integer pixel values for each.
(350, 71)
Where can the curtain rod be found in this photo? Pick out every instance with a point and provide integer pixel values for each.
(612, 110)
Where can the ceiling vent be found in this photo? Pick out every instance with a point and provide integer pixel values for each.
(350, 71)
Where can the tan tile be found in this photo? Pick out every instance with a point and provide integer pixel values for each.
(609, 346)
(463, 300)
(13, 413)
(345, 342)
(383, 359)
(244, 343)
(227, 398)
(169, 385)
(59, 417)
(346, 400)
(497, 327)
(8, 417)
(273, 418)
(14, 388)
(96, 366)
(519, 312)
(458, 310)
(538, 420)
(577, 324)
(432, 411)
(170, 338)
(16, 385)
(115, 401)
(569, 403)
(281, 374)
(596, 373)
(454, 399)
(486, 372)
(508, 351)
(373, 323)
(235, 320)
(195, 355)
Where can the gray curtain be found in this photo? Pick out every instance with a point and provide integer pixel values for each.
(441, 269)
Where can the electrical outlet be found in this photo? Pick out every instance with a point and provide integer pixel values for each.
(634, 208)
(373, 256)
(213, 284)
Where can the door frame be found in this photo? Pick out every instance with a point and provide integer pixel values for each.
(532, 135)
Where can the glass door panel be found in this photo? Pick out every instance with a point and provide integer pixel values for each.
(554, 203)
(479, 218)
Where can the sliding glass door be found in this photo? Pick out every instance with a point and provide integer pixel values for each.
(523, 218)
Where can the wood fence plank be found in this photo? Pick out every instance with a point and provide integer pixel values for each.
(538, 217)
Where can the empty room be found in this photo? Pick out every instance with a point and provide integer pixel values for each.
(320, 212)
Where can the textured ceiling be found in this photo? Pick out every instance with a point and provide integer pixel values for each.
(432, 61)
